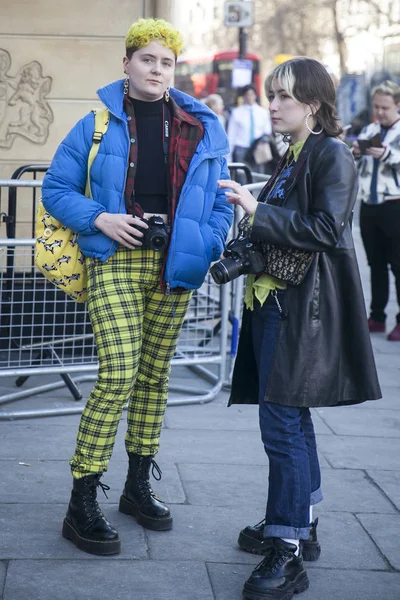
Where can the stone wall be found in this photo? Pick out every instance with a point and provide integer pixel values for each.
(53, 58)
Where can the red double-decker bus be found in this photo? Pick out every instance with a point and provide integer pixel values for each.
(213, 73)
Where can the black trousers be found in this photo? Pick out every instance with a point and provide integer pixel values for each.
(380, 232)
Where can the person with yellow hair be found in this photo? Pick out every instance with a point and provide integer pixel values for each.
(156, 221)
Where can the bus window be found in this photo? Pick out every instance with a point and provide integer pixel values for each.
(194, 77)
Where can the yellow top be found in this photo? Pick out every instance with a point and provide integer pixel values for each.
(260, 287)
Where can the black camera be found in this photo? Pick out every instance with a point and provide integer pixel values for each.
(243, 257)
(156, 237)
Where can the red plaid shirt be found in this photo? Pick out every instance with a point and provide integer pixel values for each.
(186, 133)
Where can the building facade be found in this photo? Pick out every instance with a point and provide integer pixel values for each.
(53, 58)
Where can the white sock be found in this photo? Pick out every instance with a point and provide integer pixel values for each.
(311, 510)
(294, 542)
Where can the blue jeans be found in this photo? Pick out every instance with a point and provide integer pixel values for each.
(289, 440)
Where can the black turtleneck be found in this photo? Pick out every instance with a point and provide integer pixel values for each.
(151, 181)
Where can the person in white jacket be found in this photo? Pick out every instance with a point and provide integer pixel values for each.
(379, 192)
(247, 123)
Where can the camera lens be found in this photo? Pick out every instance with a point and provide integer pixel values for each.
(158, 242)
(156, 236)
(225, 270)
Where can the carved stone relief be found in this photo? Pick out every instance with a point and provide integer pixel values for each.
(24, 110)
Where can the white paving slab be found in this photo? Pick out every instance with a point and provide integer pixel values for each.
(50, 482)
(133, 579)
(368, 452)
(389, 482)
(29, 531)
(325, 584)
(375, 421)
(385, 531)
(210, 534)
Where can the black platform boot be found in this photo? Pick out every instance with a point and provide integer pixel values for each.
(139, 500)
(251, 539)
(279, 576)
(85, 525)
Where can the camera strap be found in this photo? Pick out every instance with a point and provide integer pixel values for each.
(166, 142)
(166, 132)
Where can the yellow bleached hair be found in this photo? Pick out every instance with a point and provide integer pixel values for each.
(144, 31)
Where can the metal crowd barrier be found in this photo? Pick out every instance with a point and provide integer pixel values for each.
(237, 288)
(258, 177)
(238, 170)
(13, 184)
(43, 332)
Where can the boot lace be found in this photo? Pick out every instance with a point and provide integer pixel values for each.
(143, 481)
(90, 504)
(155, 469)
(273, 559)
(261, 523)
(105, 488)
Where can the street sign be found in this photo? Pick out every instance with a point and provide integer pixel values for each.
(238, 14)
(241, 72)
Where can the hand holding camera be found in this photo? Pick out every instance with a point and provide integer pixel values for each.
(133, 232)
(242, 258)
(122, 228)
(155, 233)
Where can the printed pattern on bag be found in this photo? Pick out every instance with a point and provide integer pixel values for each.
(58, 257)
(57, 254)
(286, 263)
(283, 262)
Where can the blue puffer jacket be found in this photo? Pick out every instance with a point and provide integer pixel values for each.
(202, 218)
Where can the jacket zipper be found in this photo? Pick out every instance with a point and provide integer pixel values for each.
(179, 202)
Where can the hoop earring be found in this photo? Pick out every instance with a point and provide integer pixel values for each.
(166, 94)
(309, 128)
(126, 86)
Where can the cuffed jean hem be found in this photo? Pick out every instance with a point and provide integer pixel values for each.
(283, 531)
(316, 497)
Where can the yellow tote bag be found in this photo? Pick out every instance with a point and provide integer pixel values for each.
(57, 253)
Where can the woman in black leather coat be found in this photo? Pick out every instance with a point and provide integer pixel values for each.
(307, 345)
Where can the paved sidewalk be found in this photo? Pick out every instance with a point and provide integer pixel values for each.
(215, 479)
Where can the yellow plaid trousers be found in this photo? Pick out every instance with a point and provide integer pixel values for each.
(136, 329)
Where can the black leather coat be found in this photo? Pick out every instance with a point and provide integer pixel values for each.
(323, 354)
